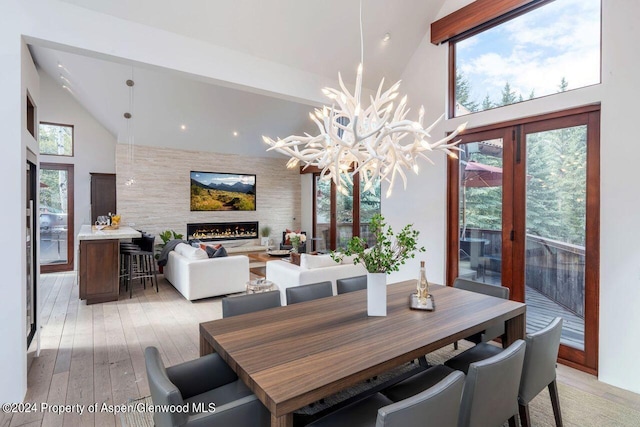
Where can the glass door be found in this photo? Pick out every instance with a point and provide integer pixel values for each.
(523, 213)
(340, 215)
(558, 232)
(56, 217)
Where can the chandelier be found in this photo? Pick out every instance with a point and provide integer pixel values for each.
(378, 142)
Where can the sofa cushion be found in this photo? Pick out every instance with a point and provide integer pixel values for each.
(220, 253)
(190, 252)
(316, 261)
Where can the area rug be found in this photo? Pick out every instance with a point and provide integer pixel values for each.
(579, 408)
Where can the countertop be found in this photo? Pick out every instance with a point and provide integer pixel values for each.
(121, 233)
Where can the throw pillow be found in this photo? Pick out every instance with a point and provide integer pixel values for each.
(220, 253)
(190, 252)
(210, 251)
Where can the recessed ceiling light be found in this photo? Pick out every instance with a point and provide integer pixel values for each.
(183, 127)
(387, 37)
(235, 133)
(60, 65)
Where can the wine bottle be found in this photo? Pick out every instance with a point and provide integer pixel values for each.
(423, 284)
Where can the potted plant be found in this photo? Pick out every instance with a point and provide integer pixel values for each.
(388, 253)
(265, 232)
(165, 236)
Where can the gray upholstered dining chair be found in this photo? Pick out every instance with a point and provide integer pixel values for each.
(538, 372)
(235, 306)
(351, 284)
(439, 406)
(296, 294)
(203, 381)
(493, 331)
(490, 395)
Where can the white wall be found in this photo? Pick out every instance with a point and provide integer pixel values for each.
(93, 151)
(424, 80)
(17, 75)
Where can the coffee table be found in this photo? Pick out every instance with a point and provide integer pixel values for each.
(262, 257)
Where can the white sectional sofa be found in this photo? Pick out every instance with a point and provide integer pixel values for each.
(197, 276)
(312, 269)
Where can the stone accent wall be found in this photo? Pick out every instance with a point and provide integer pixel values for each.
(160, 197)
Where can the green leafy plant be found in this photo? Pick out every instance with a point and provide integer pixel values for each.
(265, 231)
(168, 235)
(390, 251)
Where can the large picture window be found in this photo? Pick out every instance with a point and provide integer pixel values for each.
(552, 48)
(56, 139)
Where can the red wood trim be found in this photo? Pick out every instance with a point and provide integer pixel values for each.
(592, 243)
(532, 119)
(451, 89)
(475, 14)
(314, 214)
(453, 221)
(514, 212)
(73, 136)
(355, 205)
(333, 227)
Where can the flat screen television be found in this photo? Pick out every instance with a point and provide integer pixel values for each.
(214, 191)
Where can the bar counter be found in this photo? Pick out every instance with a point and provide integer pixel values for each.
(99, 266)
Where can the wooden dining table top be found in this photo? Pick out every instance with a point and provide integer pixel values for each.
(295, 355)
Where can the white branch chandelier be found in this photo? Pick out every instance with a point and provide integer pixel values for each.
(378, 143)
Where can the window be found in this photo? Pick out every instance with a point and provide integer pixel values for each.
(550, 49)
(56, 139)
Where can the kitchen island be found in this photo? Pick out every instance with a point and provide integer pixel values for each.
(99, 262)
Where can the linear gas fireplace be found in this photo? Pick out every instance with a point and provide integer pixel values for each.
(211, 231)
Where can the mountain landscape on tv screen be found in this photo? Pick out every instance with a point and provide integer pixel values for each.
(222, 192)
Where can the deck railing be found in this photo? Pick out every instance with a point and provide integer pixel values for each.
(553, 268)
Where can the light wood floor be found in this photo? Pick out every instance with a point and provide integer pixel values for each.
(94, 353)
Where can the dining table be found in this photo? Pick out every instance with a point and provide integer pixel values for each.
(298, 354)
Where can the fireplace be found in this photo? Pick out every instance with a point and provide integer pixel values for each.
(212, 231)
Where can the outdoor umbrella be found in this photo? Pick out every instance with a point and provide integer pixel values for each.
(477, 175)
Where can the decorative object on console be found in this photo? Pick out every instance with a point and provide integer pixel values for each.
(388, 254)
(286, 240)
(265, 232)
(222, 191)
(296, 239)
(376, 142)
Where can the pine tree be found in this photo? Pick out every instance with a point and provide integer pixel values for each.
(463, 93)
(508, 96)
(486, 103)
(564, 84)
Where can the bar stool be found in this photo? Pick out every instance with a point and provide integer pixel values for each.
(139, 263)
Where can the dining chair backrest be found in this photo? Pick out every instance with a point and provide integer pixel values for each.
(490, 395)
(235, 306)
(163, 391)
(497, 291)
(438, 405)
(539, 368)
(296, 294)
(351, 284)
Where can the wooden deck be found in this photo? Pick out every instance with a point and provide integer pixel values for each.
(95, 353)
(541, 310)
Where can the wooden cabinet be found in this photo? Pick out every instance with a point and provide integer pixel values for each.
(99, 270)
(103, 194)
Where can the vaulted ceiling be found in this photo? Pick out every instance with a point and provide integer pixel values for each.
(320, 37)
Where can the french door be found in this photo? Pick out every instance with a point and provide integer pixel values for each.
(56, 217)
(524, 213)
(339, 215)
